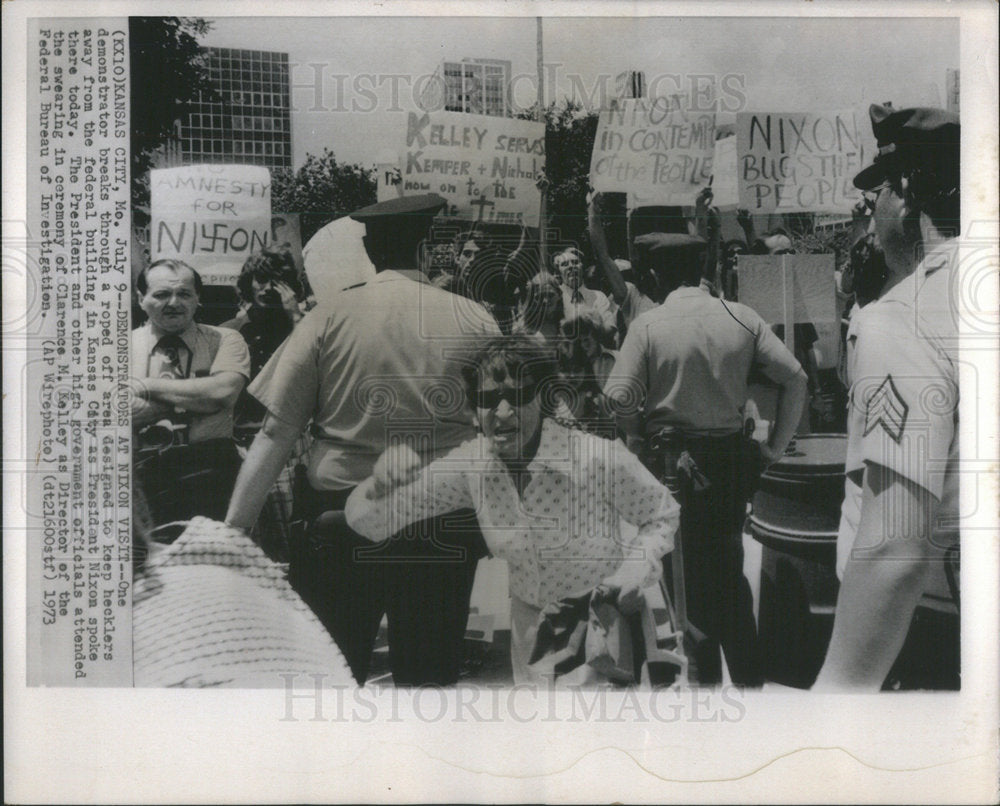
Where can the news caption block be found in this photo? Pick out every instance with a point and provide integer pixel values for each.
(658, 150)
(77, 411)
(791, 162)
(485, 167)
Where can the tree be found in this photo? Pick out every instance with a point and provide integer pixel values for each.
(321, 191)
(169, 71)
(569, 140)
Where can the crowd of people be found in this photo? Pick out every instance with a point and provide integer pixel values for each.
(580, 414)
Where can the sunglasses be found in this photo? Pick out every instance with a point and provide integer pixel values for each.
(871, 195)
(490, 398)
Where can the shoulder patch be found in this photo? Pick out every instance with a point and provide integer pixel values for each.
(886, 408)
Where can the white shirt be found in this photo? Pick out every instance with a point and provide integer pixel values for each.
(563, 536)
(212, 350)
(903, 409)
(590, 300)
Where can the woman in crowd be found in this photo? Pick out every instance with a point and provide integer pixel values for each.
(550, 500)
(540, 309)
(585, 362)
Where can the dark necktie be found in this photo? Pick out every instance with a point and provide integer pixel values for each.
(175, 360)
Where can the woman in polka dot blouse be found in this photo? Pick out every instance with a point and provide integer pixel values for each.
(566, 509)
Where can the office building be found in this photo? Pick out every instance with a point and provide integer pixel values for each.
(250, 121)
(477, 86)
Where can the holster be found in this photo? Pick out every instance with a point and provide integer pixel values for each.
(673, 457)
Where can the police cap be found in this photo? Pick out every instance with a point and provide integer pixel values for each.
(404, 208)
(912, 138)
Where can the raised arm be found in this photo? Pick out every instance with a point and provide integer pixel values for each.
(599, 243)
(744, 219)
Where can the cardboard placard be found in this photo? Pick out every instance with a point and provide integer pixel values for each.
(798, 162)
(286, 232)
(388, 181)
(335, 258)
(658, 150)
(724, 188)
(213, 217)
(485, 166)
(789, 289)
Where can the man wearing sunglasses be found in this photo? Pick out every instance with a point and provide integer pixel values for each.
(903, 418)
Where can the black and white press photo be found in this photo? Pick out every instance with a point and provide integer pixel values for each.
(594, 387)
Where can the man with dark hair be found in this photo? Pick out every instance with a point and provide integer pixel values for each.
(903, 418)
(186, 380)
(680, 386)
(380, 365)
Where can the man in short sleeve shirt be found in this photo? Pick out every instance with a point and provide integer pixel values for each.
(903, 421)
(380, 363)
(683, 371)
(186, 378)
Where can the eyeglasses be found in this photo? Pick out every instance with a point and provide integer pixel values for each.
(517, 397)
(871, 195)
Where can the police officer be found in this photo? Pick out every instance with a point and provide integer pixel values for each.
(378, 365)
(680, 386)
(903, 412)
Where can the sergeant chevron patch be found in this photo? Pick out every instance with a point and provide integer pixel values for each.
(887, 408)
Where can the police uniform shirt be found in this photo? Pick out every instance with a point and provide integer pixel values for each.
(691, 357)
(381, 357)
(903, 410)
(210, 350)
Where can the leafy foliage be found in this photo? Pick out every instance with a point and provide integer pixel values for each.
(569, 140)
(169, 70)
(321, 191)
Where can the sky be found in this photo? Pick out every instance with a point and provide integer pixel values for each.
(778, 64)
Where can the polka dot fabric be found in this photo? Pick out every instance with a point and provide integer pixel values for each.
(564, 534)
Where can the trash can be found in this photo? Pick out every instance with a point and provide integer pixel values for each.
(795, 516)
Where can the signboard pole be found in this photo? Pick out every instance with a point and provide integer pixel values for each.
(543, 249)
(788, 304)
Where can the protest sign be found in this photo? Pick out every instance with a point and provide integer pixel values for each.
(213, 217)
(286, 232)
(388, 181)
(485, 166)
(658, 150)
(798, 162)
(789, 289)
(724, 189)
(335, 258)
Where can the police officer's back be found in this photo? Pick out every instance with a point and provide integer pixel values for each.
(680, 384)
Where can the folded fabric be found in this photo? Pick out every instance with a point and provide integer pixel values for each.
(584, 640)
